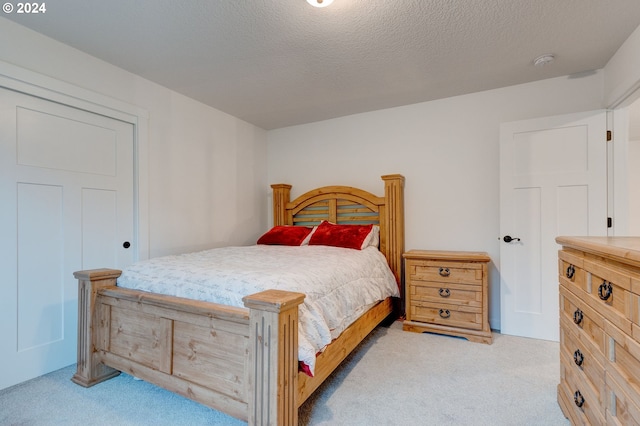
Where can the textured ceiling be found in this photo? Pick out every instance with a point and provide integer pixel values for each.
(276, 63)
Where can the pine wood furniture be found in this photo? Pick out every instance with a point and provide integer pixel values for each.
(447, 293)
(600, 330)
(242, 361)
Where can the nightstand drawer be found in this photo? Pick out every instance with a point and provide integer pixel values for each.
(455, 294)
(446, 272)
(451, 315)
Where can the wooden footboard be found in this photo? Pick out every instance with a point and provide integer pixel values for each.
(243, 362)
(239, 361)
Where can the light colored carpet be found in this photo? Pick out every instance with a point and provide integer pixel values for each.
(393, 378)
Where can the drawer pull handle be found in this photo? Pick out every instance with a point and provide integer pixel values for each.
(444, 272)
(570, 271)
(578, 316)
(605, 290)
(444, 313)
(578, 358)
(444, 292)
(578, 399)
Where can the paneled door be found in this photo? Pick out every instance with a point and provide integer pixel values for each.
(553, 181)
(67, 203)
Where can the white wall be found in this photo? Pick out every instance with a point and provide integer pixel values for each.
(448, 150)
(622, 72)
(205, 171)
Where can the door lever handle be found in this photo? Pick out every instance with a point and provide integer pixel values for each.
(509, 238)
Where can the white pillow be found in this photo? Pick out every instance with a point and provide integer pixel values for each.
(373, 239)
(305, 242)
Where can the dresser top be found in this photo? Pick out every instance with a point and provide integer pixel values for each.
(468, 256)
(623, 249)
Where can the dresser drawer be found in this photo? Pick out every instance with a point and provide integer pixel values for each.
(582, 397)
(584, 360)
(582, 319)
(451, 315)
(571, 269)
(622, 410)
(624, 361)
(454, 294)
(444, 272)
(565, 399)
(610, 294)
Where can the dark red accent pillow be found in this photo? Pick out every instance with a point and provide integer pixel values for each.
(347, 236)
(285, 235)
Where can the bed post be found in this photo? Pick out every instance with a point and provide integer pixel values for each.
(91, 322)
(281, 196)
(394, 222)
(273, 357)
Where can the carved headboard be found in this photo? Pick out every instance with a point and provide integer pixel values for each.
(348, 205)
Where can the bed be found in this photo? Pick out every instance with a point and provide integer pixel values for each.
(240, 360)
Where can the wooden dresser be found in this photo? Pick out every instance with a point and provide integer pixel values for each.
(600, 330)
(447, 293)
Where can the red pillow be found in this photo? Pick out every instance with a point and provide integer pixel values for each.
(285, 235)
(347, 236)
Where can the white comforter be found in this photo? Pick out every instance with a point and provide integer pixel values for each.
(339, 283)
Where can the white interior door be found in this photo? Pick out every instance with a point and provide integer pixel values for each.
(66, 191)
(553, 181)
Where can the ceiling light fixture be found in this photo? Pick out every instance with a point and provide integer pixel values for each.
(320, 3)
(543, 60)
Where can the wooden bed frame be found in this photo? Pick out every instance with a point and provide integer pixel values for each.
(241, 361)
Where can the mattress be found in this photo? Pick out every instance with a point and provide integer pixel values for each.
(339, 283)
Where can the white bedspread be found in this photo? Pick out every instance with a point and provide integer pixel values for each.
(339, 283)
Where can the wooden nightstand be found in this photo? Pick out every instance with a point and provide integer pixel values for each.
(447, 293)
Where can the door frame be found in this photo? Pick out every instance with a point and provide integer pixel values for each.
(31, 83)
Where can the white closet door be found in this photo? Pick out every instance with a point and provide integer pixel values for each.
(553, 181)
(66, 185)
